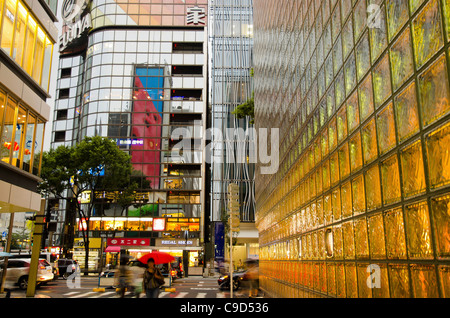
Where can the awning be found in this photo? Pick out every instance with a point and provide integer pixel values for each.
(114, 249)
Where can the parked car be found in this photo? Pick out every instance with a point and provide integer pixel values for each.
(18, 270)
(50, 257)
(66, 267)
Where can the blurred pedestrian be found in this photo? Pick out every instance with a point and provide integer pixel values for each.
(252, 276)
(153, 279)
(124, 277)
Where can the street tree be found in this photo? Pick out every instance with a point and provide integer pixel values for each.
(76, 174)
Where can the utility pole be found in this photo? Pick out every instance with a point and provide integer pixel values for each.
(234, 220)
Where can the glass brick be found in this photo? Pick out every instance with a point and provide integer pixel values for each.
(376, 237)
(361, 241)
(326, 175)
(446, 12)
(412, 169)
(359, 18)
(434, 91)
(440, 210)
(336, 204)
(358, 195)
(336, 22)
(352, 112)
(350, 74)
(386, 129)
(332, 134)
(381, 81)
(390, 180)
(342, 123)
(365, 94)
(397, 14)
(438, 154)
(399, 281)
(337, 242)
(344, 166)
(406, 112)
(395, 234)
(414, 5)
(331, 279)
(355, 152)
(444, 279)
(334, 168)
(340, 280)
(362, 57)
(424, 281)
(377, 32)
(327, 209)
(427, 33)
(363, 290)
(350, 280)
(382, 292)
(324, 142)
(347, 38)
(346, 8)
(373, 191)
(331, 102)
(339, 88)
(369, 141)
(346, 200)
(401, 59)
(418, 231)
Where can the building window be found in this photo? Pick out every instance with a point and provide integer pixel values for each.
(187, 70)
(66, 72)
(64, 93)
(60, 136)
(25, 41)
(61, 114)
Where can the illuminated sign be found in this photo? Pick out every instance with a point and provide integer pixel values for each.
(130, 142)
(76, 21)
(159, 224)
(128, 242)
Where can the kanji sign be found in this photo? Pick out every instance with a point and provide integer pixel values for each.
(128, 241)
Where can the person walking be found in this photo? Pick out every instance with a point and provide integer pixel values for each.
(153, 279)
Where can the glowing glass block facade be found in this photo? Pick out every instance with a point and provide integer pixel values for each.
(360, 92)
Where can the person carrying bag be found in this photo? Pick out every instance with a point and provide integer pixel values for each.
(153, 279)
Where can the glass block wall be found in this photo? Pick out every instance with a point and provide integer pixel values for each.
(360, 205)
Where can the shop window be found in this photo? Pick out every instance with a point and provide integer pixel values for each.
(186, 94)
(19, 137)
(8, 25)
(38, 55)
(29, 45)
(7, 143)
(19, 39)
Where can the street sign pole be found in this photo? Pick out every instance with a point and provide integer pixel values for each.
(234, 222)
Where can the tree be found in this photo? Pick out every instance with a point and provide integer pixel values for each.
(77, 173)
(246, 109)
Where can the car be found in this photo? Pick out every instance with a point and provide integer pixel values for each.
(66, 267)
(19, 268)
(238, 278)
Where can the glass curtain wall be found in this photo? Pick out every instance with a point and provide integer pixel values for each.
(231, 40)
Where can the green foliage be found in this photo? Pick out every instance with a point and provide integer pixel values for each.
(246, 109)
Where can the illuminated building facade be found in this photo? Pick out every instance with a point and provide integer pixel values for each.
(140, 78)
(360, 93)
(27, 37)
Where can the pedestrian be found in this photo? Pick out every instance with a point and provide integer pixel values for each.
(123, 276)
(153, 279)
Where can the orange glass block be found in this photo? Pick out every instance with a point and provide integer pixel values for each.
(344, 165)
(336, 204)
(381, 76)
(386, 129)
(363, 290)
(438, 153)
(340, 281)
(434, 91)
(349, 240)
(319, 185)
(418, 231)
(324, 142)
(334, 168)
(390, 180)
(341, 118)
(319, 211)
(355, 152)
(327, 209)
(401, 59)
(440, 211)
(407, 117)
(332, 134)
(399, 281)
(331, 279)
(337, 242)
(395, 234)
(352, 112)
(346, 200)
(365, 95)
(376, 236)
(412, 169)
(326, 175)
(383, 291)
(350, 280)
(358, 195)
(424, 281)
(372, 187)
(369, 141)
(444, 280)
(361, 239)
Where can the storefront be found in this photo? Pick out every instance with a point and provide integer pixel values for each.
(176, 247)
(79, 253)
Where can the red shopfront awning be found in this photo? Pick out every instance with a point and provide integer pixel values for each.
(113, 249)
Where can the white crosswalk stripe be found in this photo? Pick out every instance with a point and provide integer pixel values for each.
(181, 295)
(201, 295)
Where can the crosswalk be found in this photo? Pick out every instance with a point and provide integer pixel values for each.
(162, 294)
